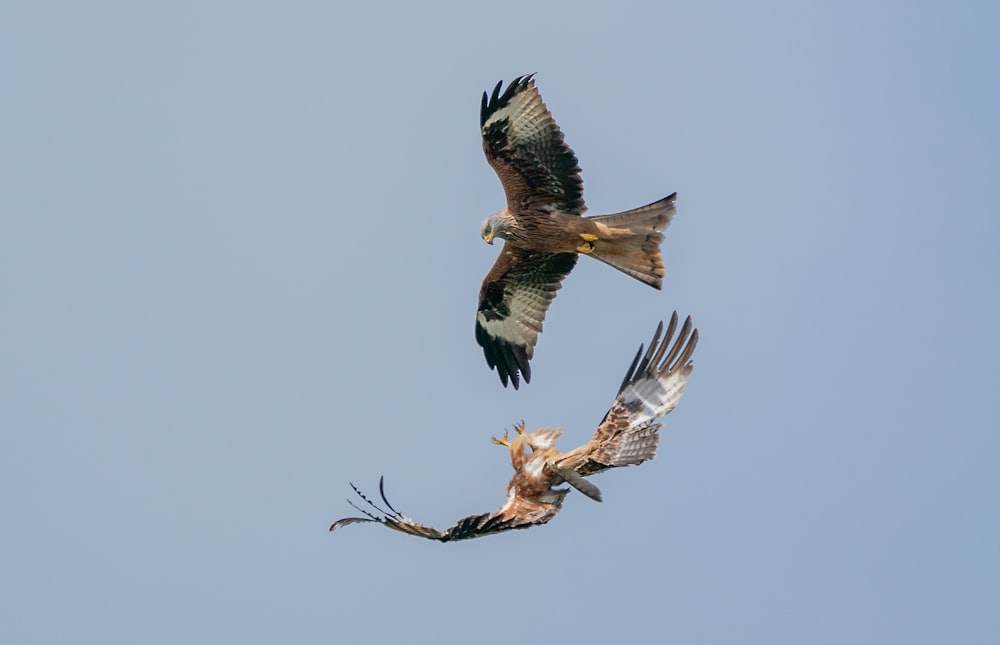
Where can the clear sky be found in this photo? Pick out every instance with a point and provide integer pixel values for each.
(239, 262)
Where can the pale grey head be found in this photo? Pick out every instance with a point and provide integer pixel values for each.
(496, 225)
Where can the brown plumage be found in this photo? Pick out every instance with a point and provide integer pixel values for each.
(543, 227)
(627, 435)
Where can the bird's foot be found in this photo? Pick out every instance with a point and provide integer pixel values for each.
(501, 442)
(588, 243)
(519, 428)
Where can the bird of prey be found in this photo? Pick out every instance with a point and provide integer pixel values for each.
(543, 227)
(628, 435)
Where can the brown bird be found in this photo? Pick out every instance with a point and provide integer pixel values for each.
(628, 435)
(543, 228)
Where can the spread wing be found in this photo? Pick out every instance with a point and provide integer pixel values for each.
(512, 303)
(525, 147)
(466, 528)
(651, 389)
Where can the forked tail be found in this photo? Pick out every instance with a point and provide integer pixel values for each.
(630, 241)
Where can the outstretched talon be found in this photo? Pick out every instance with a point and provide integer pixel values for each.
(519, 428)
(588, 243)
(502, 442)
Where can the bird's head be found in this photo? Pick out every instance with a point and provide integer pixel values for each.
(494, 226)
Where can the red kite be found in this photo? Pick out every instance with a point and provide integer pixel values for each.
(627, 436)
(543, 228)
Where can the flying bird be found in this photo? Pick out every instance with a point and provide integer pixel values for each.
(543, 227)
(627, 436)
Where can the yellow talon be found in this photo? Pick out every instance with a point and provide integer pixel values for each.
(586, 247)
(501, 442)
(519, 428)
(588, 237)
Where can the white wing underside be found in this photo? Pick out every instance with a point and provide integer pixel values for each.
(653, 398)
(528, 305)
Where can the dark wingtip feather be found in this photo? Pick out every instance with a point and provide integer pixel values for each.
(631, 368)
(670, 361)
(381, 492)
(495, 101)
(689, 350)
(347, 521)
(505, 367)
(664, 353)
(509, 365)
(511, 362)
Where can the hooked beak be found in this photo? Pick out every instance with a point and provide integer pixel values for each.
(489, 237)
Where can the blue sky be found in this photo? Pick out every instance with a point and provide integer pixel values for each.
(239, 261)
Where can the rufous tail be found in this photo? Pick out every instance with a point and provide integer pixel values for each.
(630, 241)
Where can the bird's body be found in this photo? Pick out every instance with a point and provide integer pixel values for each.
(628, 241)
(628, 435)
(530, 492)
(543, 227)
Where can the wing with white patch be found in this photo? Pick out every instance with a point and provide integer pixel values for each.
(651, 389)
(525, 147)
(512, 304)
